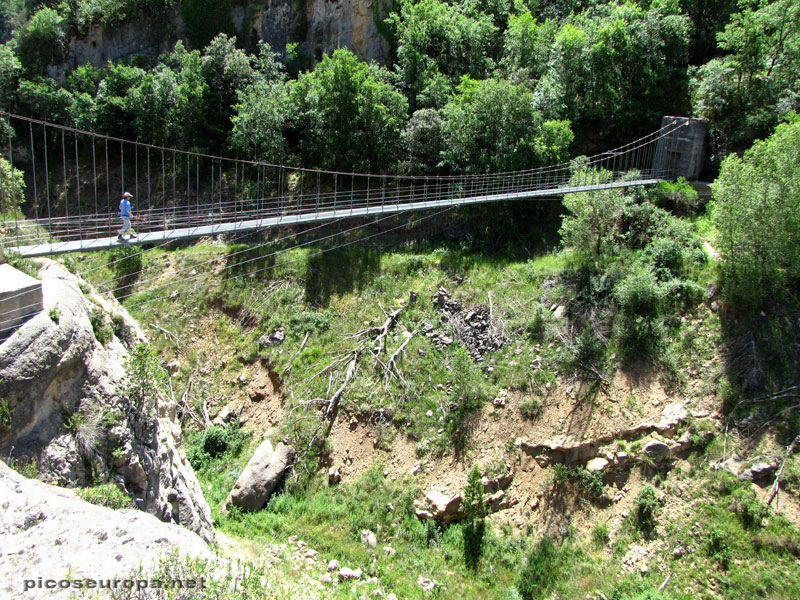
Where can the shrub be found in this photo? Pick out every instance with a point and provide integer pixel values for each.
(146, 378)
(108, 495)
(718, 546)
(601, 534)
(212, 443)
(679, 197)
(531, 408)
(588, 482)
(640, 337)
(542, 570)
(750, 510)
(5, 414)
(101, 327)
(474, 511)
(646, 506)
(12, 189)
(667, 257)
(639, 293)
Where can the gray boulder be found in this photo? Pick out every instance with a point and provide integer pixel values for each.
(260, 477)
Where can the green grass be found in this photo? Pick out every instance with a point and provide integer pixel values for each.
(107, 495)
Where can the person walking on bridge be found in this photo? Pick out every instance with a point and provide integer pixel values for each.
(126, 215)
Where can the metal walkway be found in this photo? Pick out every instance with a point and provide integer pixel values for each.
(184, 233)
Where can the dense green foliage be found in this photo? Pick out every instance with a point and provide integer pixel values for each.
(756, 200)
(12, 188)
(502, 84)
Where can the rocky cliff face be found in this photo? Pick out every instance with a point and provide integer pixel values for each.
(69, 418)
(318, 26)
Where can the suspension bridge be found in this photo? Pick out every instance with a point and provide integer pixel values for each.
(73, 181)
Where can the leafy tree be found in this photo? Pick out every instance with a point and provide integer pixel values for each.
(437, 40)
(10, 71)
(749, 90)
(262, 113)
(592, 226)
(348, 115)
(491, 125)
(41, 41)
(111, 113)
(756, 209)
(44, 99)
(608, 67)
(527, 43)
(421, 140)
(708, 17)
(227, 71)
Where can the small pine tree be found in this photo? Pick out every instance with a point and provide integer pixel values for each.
(474, 512)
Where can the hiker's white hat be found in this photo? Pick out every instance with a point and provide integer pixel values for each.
(127, 195)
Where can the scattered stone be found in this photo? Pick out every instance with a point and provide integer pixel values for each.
(310, 553)
(560, 312)
(597, 464)
(656, 449)
(443, 507)
(273, 339)
(346, 574)
(761, 470)
(334, 476)
(333, 565)
(425, 583)
(326, 578)
(368, 538)
(389, 551)
(173, 367)
(733, 466)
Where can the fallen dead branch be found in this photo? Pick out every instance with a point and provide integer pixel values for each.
(776, 486)
(288, 367)
(384, 329)
(168, 333)
(391, 364)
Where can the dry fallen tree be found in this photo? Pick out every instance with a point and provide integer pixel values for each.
(372, 343)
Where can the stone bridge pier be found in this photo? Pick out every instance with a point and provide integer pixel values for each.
(681, 153)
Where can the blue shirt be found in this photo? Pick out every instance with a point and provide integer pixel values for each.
(125, 208)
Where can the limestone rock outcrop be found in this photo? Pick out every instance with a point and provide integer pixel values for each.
(317, 26)
(260, 477)
(47, 532)
(70, 420)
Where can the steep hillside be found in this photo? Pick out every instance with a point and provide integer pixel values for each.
(590, 396)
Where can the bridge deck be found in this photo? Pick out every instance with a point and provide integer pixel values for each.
(304, 217)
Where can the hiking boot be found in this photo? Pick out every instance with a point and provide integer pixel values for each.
(120, 238)
(133, 235)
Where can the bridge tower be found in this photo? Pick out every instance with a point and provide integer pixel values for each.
(681, 153)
